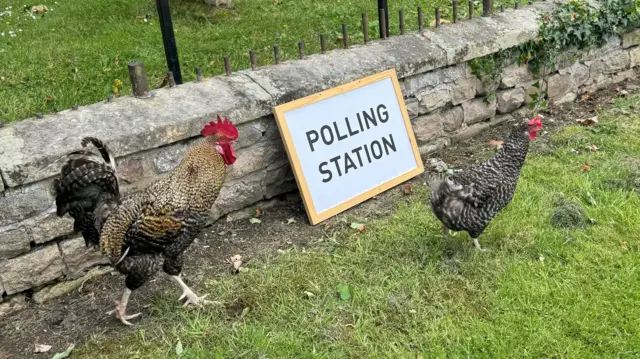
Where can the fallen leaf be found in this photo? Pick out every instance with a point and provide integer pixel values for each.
(309, 294)
(593, 148)
(64, 354)
(442, 21)
(585, 97)
(357, 226)
(179, 348)
(49, 99)
(117, 61)
(496, 143)
(42, 348)
(623, 93)
(586, 168)
(592, 121)
(624, 244)
(235, 261)
(344, 291)
(407, 189)
(255, 221)
(291, 220)
(39, 9)
(259, 212)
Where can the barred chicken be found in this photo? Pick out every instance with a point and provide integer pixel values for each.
(151, 229)
(469, 200)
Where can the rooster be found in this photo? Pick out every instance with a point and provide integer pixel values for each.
(469, 200)
(151, 229)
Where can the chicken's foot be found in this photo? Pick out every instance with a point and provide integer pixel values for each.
(477, 245)
(121, 309)
(192, 298)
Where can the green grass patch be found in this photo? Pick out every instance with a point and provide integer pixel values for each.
(398, 291)
(76, 51)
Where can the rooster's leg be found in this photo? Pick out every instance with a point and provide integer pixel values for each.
(192, 298)
(121, 308)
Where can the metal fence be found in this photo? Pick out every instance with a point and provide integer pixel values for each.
(174, 74)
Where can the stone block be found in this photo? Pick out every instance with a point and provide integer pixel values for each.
(616, 61)
(634, 57)
(433, 99)
(131, 168)
(242, 192)
(478, 109)
(486, 86)
(127, 124)
(452, 74)
(14, 243)
(254, 158)
(33, 269)
(59, 289)
(24, 202)
(433, 146)
(427, 128)
(623, 76)
(167, 158)
(463, 91)
(510, 100)
(631, 38)
(13, 304)
(77, 257)
(50, 226)
(578, 72)
(558, 86)
(452, 118)
(515, 74)
(530, 89)
(412, 107)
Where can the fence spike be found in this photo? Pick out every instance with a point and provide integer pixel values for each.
(454, 5)
(383, 24)
(420, 20)
(470, 9)
(252, 59)
(199, 77)
(401, 19)
(437, 17)
(170, 79)
(138, 77)
(301, 49)
(365, 27)
(345, 36)
(276, 54)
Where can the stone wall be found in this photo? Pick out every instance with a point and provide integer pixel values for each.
(40, 256)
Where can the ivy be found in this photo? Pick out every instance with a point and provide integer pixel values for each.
(575, 25)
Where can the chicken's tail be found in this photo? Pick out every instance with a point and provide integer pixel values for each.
(87, 188)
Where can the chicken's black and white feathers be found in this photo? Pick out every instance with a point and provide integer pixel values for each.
(469, 200)
(88, 188)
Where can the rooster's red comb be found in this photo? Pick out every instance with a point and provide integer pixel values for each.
(536, 122)
(222, 127)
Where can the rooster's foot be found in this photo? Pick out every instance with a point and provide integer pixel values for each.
(119, 313)
(192, 298)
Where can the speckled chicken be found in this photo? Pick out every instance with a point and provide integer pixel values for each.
(469, 200)
(150, 229)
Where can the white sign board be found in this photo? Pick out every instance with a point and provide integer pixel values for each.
(349, 143)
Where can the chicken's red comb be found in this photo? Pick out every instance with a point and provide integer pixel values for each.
(536, 122)
(222, 127)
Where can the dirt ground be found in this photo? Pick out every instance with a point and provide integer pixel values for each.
(77, 316)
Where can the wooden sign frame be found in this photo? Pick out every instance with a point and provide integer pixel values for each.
(279, 113)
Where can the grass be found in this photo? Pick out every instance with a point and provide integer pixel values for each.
(76, 51)
(540, 292)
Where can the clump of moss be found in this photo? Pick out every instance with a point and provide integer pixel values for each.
(568, 214)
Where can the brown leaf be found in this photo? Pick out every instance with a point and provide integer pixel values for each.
(407, 189)
(259, 212)
(624, 245)
(442, 21)
(593, 148)
(49, 99)
(39, 9)
(236, 262)
(361, 228)
(586, 167)
(117, 61)
(496, 143)
(592, 121)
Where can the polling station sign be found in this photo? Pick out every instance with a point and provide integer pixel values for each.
(349, 143)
